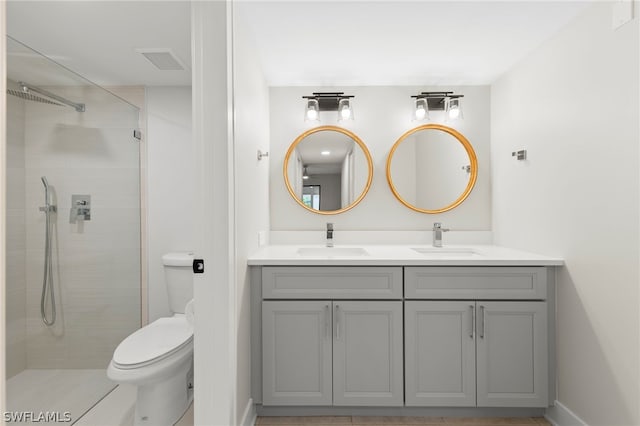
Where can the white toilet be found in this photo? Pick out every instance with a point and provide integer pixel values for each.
(158, 358)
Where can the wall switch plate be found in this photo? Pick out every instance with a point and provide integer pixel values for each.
(622, 13)
(262, 238)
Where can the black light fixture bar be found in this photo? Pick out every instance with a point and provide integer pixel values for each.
(435, 100)
(328, 101)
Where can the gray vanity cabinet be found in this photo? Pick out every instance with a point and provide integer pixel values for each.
(367, 353)
(297, 353)
(440, 353)
(484, 353)
(512, 357)
(332, 351)
(390, 336)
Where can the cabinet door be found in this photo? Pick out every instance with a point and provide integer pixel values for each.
(512, 354)
(440, 368)
(367, 353)
(296, 363)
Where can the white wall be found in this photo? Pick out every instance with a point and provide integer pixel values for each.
(251, 127)
(3, 158)
(382, 115)
(170, 194)
(573, 104)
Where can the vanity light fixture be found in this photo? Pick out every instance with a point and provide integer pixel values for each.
(448, 102)
(328, 101)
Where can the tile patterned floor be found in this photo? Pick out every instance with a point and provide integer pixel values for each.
(398, 421)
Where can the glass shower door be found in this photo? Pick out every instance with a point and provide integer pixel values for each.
(73, 246)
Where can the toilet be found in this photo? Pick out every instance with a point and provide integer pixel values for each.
(158, 358)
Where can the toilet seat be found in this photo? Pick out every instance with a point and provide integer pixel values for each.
(154, 342)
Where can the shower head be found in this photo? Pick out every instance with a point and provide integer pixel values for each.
(47, 195)
(31, 97)
(26, 91)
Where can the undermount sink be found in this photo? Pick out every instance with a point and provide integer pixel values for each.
(446, 251)
(332, 251)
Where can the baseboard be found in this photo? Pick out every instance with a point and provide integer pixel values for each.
(559, 415)
(250, 415)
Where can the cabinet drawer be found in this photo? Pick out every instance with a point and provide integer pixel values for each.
(495, 283)
(331, 282)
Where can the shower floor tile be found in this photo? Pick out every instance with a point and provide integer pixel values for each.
(118, 408)
(56, 390)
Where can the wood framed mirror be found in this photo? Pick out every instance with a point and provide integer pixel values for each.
(328, 170)
(432, 168)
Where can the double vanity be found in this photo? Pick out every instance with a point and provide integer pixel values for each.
(397, 329)
(402, 330)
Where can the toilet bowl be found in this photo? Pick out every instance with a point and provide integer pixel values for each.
(158, 358)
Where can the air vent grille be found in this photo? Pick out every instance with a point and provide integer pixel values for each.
(163, 59)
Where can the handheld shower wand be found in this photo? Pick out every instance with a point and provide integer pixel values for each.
(47, 279)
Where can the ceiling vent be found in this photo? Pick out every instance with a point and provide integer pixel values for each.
(163, 59)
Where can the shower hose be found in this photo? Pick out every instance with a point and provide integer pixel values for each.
(47, 278)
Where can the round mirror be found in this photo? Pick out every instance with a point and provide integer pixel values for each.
(432, 168)
(328, 170)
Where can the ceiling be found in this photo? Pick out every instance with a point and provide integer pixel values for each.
(300, 42)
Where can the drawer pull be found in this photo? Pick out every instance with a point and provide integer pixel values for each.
(482, 322)
(337, 315)
(472, 333)
(327, 321)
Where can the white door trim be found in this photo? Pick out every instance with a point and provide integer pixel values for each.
(213, 215)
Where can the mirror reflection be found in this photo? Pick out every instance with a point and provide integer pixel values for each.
(432, 168)
(328, 170)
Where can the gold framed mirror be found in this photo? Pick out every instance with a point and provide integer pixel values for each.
(432, 168)
(328, 170)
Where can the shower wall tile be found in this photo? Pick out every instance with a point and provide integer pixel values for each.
(96, 262)
(15, 188)
(89, 326)
(63, 146)
(108, 229)
(114, 187)
(15, 252)
(16, 233)
(15, 132)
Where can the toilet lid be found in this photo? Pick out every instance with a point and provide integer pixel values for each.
(156, 340)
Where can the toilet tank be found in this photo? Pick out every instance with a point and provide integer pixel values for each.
(178, 276)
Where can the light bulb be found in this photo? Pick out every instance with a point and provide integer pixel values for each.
(454, 113)
(305, 177)
(421, 110)
(325, 153)
(344, 110)
(312, 114)
(345, 113)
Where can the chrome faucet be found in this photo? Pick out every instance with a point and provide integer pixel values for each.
(329, 234)
(437, 234)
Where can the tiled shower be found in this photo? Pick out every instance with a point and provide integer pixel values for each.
(96, 262)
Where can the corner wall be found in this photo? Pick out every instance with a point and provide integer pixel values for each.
(251, 129)
(573, 104)
(170, 194)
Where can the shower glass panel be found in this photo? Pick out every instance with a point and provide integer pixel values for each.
(73, 236)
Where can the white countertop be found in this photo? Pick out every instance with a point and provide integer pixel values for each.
(398, 255)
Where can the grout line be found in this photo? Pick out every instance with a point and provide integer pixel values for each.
(94, 405)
